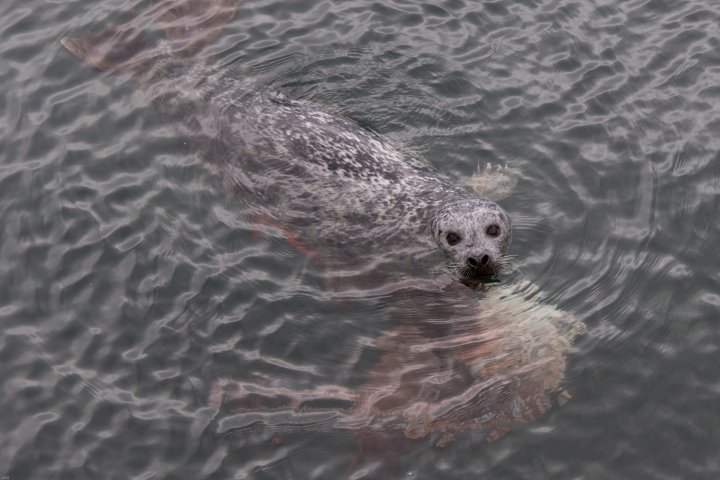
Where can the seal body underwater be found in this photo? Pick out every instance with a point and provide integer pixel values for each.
(339, 183)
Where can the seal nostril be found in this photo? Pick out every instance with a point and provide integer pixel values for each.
(484, 260)
(472, 262)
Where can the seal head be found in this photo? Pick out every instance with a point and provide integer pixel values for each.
(475, 233)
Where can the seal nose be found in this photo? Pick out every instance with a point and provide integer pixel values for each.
(475, 263)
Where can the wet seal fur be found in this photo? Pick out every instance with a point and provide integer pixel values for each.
(315, 171)
(482, 235)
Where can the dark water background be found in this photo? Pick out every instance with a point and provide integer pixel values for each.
(130, 284)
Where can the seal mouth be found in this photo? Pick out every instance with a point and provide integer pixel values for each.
(481, 272)
(478, 279)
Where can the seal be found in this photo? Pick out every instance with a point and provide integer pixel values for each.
(341, 184)
(451, 364)
(350, 186)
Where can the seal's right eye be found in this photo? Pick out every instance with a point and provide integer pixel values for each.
(452, 238)
(493, 230)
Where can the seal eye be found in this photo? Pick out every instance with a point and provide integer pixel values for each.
(452, 238)
(493, 230)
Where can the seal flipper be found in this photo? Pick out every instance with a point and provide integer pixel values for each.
(116, 50)
(494, 183)
(290, 236)
(190, 25)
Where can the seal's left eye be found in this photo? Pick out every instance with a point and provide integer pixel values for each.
(452, 238)
(493, 230)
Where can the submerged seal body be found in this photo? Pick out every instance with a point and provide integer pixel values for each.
(320, 172)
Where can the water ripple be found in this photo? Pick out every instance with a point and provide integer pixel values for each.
(134, 285)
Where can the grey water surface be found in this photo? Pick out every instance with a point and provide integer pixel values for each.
(131, 283)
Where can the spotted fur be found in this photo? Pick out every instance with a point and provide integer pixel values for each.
(340, 178)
